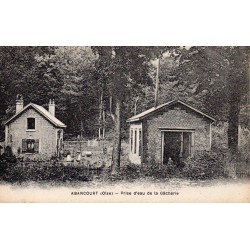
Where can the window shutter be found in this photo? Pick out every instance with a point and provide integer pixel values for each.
(24, 145)
(36, 146)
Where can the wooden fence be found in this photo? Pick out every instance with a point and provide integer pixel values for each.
(80, 146)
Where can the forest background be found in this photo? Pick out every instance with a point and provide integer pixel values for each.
(97, 88)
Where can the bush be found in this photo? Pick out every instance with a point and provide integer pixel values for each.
(204, 165)
(156, 171)
(5, 158)
(22, 172)
(132, 172)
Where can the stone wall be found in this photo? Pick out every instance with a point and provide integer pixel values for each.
(175, 117)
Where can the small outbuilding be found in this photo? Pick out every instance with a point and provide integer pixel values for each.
(171, 131)
(34, 131)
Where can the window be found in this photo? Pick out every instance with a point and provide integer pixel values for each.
(139, 142)
(136, 140)
(131, 140)
(31, 123)
(30, 146)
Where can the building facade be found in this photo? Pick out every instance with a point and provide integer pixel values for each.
(34, 132)
(171, 131)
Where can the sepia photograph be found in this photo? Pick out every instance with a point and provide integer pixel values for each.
(125, 124)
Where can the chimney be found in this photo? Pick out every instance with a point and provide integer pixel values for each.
(19, 103)
(52, 106)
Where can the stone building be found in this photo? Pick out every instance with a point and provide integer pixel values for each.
(33, 131)
(173, 130)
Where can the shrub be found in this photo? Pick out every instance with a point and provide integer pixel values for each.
(22, 172)
(155, 171)
(128, 172)
(204, 165)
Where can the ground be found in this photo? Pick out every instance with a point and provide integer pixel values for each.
(59, 183)
(172, 190)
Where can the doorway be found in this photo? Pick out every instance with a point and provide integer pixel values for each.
(176, 145)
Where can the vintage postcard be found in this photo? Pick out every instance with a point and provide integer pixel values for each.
(125, 124)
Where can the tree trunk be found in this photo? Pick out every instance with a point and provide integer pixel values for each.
(236, 79)
(115, 165)
(233, 127)
(104, 124)
(100, 113)
(248, 89)
(81, 122)
(81, 134)
(135, 109)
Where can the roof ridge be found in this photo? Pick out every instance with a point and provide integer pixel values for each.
(151, 110)
(44, 112)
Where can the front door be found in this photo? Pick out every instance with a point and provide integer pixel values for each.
(176, 146)
(172, 147)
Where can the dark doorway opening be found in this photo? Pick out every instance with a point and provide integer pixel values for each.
(176, 146)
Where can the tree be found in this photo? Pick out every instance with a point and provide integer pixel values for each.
(40, 73)
(238, 82)
(121, 71)
(77, 101)
(19, 74)
(215, 80)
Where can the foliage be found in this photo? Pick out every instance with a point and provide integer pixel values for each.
(74, 76)
(78, 101)
(19, 75)
(121, 73)
(244, 144)
(219, 79)
(204, 165)
(40, 73)
(213, 79)
(131, 172)
(43, 171)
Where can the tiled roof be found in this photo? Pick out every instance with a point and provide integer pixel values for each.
(45, 113)
(168, 104)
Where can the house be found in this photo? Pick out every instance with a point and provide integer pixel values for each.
(171, 131)
(33, 131)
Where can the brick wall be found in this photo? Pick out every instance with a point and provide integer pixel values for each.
(44, 131)
(175, 117)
